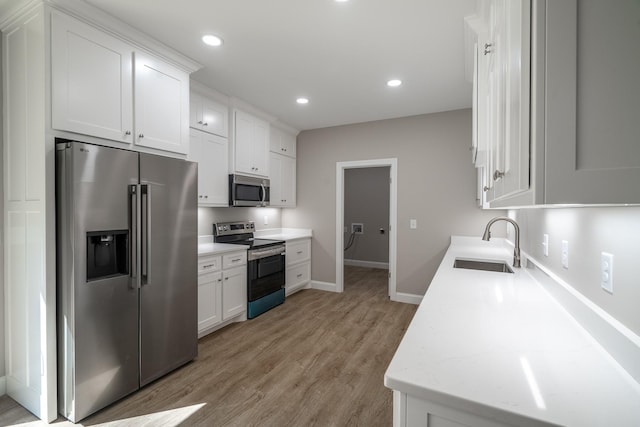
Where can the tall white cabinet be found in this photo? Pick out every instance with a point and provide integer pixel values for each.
(71, 78)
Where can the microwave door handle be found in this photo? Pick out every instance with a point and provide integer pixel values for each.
(264, 194)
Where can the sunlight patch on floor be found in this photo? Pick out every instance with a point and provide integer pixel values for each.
(168, 418)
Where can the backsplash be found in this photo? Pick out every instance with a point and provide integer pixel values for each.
(589, 231)
(208, 216)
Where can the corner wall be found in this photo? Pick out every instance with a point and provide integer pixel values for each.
(436, 186)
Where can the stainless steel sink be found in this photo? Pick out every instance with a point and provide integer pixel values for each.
(475, 264)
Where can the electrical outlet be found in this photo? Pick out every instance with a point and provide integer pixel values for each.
(545, 244)
(606, 271)
(413, 224)
(357, 228)
(266, 220)
(565, 254)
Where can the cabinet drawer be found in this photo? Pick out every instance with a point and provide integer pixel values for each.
(298, 274)
(209, 264)
(298, 251)
(234, 259)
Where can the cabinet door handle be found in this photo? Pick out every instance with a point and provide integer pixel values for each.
(236, 260)
(199, 122)
(205, 124)
(485, 188)
(498, 174)
(299, 252)
(487, 47)
(127, 132)
(208, 266)
(226, 278)
(219, 280)
(141, 135)
(299, 275)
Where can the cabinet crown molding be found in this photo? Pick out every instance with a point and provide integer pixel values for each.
(108, 24)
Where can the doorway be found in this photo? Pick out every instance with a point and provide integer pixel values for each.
(341, 167)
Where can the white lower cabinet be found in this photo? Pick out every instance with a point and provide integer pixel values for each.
(209, 300)
(412, 411)
(222, 290)
(298, 274)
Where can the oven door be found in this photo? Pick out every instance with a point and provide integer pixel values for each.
(266, 275)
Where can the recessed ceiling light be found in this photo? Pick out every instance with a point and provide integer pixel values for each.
(302, 100)
(212, 40)
(394, 83)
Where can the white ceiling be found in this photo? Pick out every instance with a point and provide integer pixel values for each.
(339, 55)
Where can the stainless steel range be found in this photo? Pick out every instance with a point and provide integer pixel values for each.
(265, 267)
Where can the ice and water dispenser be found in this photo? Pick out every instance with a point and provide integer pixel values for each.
(107, 254)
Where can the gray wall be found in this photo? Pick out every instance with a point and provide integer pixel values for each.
(208, 216)
(366, 201)
(590, 231)
(436, 186)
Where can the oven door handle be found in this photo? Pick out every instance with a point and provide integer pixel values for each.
(264, 253)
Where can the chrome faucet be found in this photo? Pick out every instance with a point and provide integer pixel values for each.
(516, 250)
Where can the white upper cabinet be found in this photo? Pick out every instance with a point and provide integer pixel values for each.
(250, 145)
(211, 154)
(161, 105)
(282, 142)
(98, 90)
(592, 114)
(506, 52)
(283, 181)
(92, 81)
(208, 116)
(561, 109)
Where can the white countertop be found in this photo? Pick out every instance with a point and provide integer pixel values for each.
(498, 345)
(286, 234)
(207, 247)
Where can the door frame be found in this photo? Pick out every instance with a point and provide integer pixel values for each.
(392, 163)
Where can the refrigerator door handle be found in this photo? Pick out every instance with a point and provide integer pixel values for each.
(145, 235)
(134, 220)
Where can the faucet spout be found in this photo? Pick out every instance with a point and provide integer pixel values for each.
(516, 250)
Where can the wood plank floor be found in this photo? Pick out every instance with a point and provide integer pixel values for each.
(317, 360)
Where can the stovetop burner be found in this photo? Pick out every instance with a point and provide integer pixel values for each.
(240, 233)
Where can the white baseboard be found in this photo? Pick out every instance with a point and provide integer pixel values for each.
(323, 286)
(367, 264)
(3, 386)
(407, 298)
(292, 290)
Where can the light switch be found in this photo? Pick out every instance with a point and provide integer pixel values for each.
(565, 254)
(413, 224)
(545, 244)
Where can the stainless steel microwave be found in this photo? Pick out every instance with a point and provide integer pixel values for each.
(248, 191)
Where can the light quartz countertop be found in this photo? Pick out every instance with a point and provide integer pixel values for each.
(207, 247)
(286, 234)
(499, 346)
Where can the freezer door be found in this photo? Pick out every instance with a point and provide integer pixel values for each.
(97, 298)
(169, 286)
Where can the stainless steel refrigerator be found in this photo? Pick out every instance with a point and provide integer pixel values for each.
(127, 272)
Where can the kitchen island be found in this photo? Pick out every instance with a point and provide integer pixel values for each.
(493, 349)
